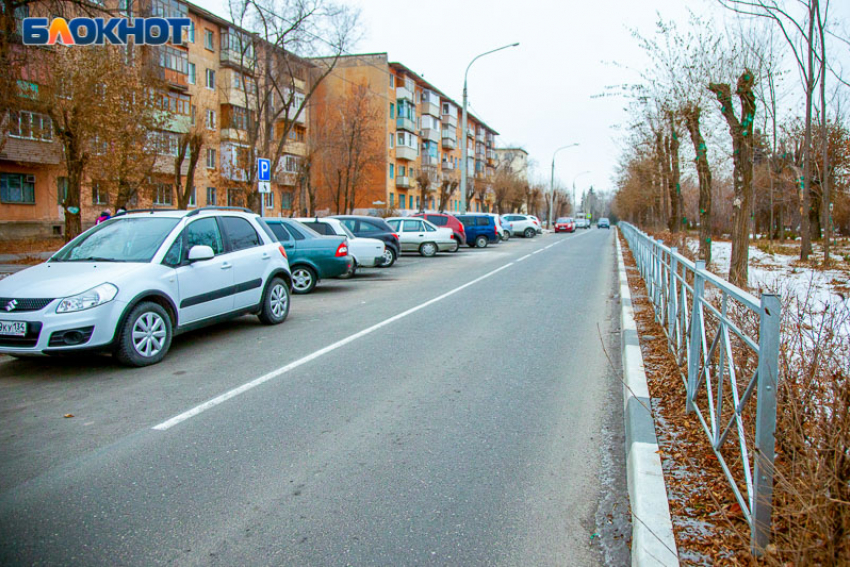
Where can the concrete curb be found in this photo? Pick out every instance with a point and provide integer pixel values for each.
(652, 529)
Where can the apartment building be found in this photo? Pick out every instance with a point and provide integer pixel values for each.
(421, 140)
(515, 159)
(210, 89)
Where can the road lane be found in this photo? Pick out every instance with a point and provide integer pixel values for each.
(466, 433)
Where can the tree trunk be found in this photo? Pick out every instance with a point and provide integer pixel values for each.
(742, 157)
(75, 163)
(805, 185)
(692, 116)
(674, 187)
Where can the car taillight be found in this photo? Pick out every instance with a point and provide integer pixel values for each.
(282, 251)
(342, 250)
(396, 236)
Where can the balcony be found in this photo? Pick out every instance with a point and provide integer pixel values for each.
(301, 118)
(491, 155)
(448, 165)
(430, 134)
(402, 123)
(490, 140)
(450, 120)
(429, 108)
(286, 178)
(470, 132)
(403, 93)
(430, 161)
(405, 152)
(402, 182)
(449, 140)
(479, 137)
(178, 123)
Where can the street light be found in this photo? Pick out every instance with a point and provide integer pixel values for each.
(575, 205)
(464, 167)
(552, 183)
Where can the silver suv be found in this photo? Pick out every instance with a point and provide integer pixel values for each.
(129, 284)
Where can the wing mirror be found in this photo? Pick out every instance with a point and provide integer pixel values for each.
(200, 252)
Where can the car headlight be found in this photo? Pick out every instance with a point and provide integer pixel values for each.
(88, 299)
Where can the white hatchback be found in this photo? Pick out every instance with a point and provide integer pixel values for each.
(419, 235)
(129, 284)
(367, 252)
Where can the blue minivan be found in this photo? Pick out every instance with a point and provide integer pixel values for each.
(480, 229)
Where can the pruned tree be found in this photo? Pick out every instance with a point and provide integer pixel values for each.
(741, 131)
(448, 186)
(426, 181)
(189, 147)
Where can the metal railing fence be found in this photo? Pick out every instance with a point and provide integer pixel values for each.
(726, 342)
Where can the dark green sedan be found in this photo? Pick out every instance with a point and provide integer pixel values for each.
(312, 256)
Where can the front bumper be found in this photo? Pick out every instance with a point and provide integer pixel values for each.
(96, 327)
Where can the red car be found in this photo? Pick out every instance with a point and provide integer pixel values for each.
(565, 224)
(446, 221)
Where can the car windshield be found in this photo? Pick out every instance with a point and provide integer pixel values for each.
(127, 239)
(563, 220)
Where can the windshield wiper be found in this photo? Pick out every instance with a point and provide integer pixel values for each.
(94, 259)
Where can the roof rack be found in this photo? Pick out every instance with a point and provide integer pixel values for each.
(127, 212)
(219, 208)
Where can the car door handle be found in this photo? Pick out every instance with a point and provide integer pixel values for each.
(266, 256)
(226, 266)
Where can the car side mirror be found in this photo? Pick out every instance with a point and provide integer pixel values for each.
(200, 252)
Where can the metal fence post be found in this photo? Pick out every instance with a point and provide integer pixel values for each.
(768, 380)
(695, 336)
(671, 295)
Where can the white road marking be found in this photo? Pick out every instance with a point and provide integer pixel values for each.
(538, 251)
(310, 357)
(523, 258)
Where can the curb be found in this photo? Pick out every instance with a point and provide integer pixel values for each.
(652, 529)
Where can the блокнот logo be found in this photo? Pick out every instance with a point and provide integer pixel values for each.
(100, 31)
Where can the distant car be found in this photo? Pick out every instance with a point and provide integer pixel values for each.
(523, 224)
(367, 252)
(130, 283)
(481, 229)
(312, 256)
(448, 221)
(419, 235)
(565, 224)
(507, 228)
(603, 222)
(582, 222)
(374, 227)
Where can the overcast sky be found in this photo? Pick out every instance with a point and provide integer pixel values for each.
(539, 95)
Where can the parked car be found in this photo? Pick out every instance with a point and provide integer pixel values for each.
(537, 225)
(367, 252)
(131, 283)
(565, 224)
(523, 224)
(481, 229)
(507, 228)
(603, 222)
(312, 256)
(419, 235)
(501, 230)
(448, 221)
(374, 227)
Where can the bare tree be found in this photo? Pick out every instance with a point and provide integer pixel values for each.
(448, 186)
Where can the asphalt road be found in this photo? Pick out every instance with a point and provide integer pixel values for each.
(457, 410)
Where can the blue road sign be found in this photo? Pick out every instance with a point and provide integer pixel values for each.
(264, 169)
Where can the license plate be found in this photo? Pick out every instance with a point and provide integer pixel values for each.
(13, 328)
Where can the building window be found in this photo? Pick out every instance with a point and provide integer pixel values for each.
(174, 59)
(392, 110)
(17, 188)
(193, 201)
(210, 158)
(167, 143)
(392, 171)
(286, 200)
(98, 195)
(392, 200)
(392, 81)
(210, 119)
(234, 198)
(401, 202)
(208, 40)
(192, 31)
(192, 113)
(176, 103)
(192, 77)
(210, 83)
(239, 118)
(168, 9)
(30, 126)
(163, 194)
(268, 200)
(61, 190)
(290, 164)
(392, 141)
(211, 196)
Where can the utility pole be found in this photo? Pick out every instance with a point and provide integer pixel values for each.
(552, 183)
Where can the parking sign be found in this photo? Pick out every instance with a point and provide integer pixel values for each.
(264, 169)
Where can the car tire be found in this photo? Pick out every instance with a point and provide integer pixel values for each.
(481, 241)
(506, 235)
(529, 233)
(351, 270)
(304, 279)
(457, 246)
(145, 336)
(427, 249)
(275, 303)
(389, 257)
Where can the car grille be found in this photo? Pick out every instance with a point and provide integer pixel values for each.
(27, 341)
(19, 305)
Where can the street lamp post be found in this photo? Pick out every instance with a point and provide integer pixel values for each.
(575, 205)
(552, 183)
(464, 167)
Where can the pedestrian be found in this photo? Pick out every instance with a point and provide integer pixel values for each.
(120, 211)
(104, 216)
